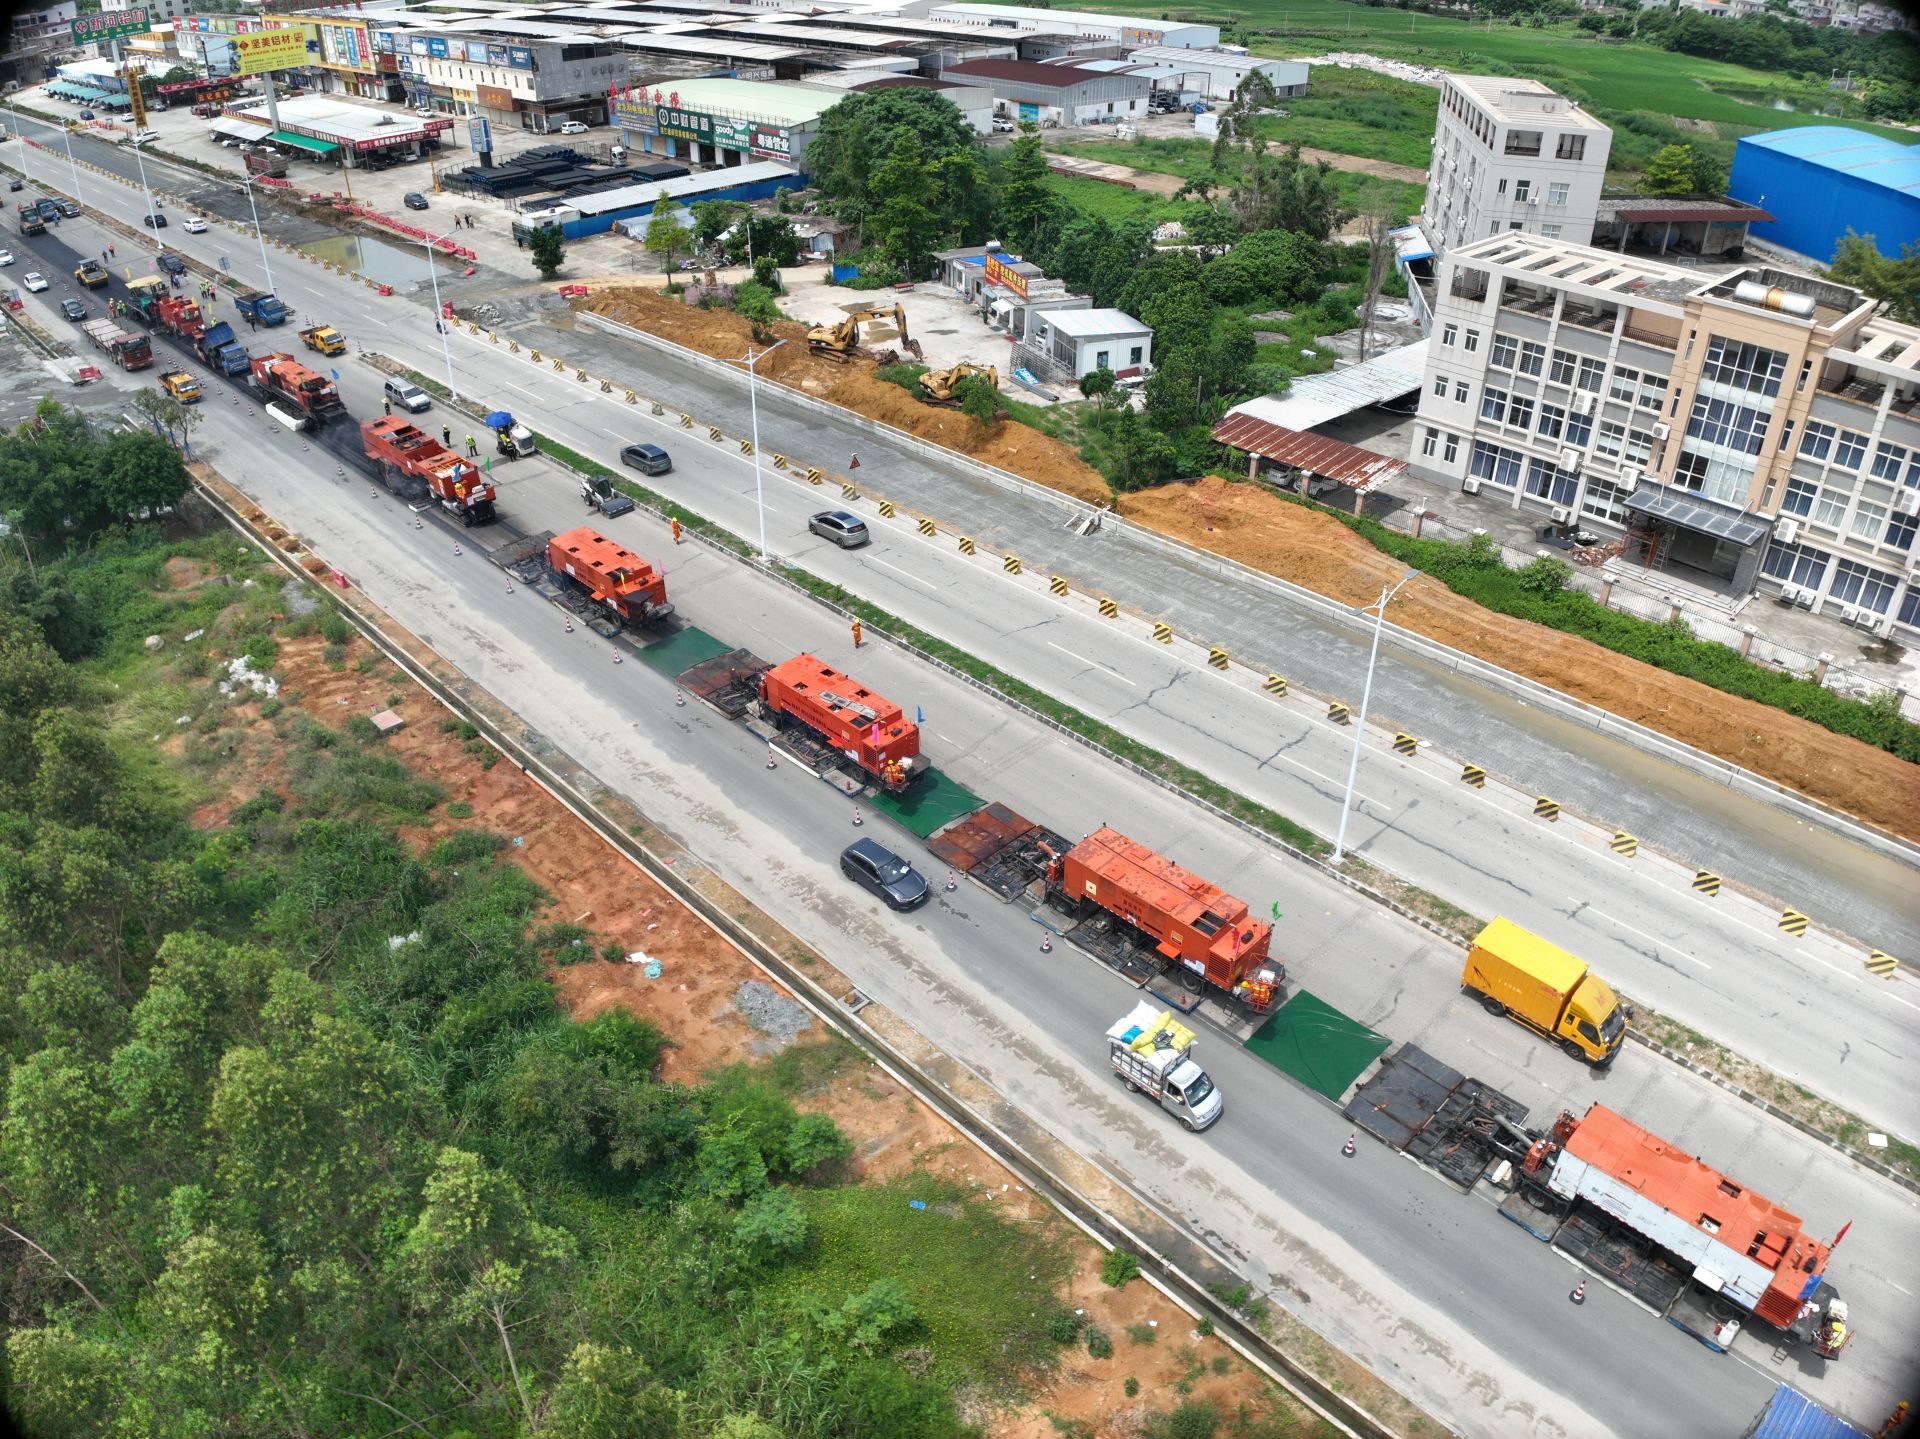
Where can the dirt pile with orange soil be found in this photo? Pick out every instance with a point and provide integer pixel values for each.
(1318, 552)
(1009, 446)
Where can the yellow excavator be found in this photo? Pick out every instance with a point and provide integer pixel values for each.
(840, 340)
(937, 386)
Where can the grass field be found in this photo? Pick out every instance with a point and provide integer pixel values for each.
(1115, 202)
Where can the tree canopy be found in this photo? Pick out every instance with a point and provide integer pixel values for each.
(1893, 279)
(858, 134)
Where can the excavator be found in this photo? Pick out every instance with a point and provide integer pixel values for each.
(937, 386)
(841, 340)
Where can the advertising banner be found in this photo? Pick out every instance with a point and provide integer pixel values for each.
(999, 274)
(417, 45)
(496, 54)
(280, 49)
(437, 47)
(634, 115)
(110, 25)
(520, 57)
(1130, 35)
(771, 143)
(685, 124)
(476, 52)
(383, 41)
(479, 135)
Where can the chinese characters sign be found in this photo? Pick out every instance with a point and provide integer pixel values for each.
(281, 49)
(109, 25)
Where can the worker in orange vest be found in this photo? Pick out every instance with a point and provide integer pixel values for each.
(856, 634)
(675, 525)
(1894, 1420)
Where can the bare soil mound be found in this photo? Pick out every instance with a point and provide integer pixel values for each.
(1016, 448)
(1318, 552)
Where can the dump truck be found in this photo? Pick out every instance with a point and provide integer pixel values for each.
(261, 308)
(1152, 1054)
(615, 578)
(867, 728)
(325, 339)
(841, 339)
(92, 274)
(278, 376)
(1204, 931)
(216, 346)
(414, 465)
(1520, 975)
(936, 386)
(127, 350)
(182, 386)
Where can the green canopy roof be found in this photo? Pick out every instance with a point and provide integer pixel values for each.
(301, 142)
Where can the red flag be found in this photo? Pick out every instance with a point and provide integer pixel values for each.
(1841, 1235)
(854, 463)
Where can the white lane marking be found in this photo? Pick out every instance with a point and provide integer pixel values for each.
(1095, 663)
(1650, 939)
(902, 573)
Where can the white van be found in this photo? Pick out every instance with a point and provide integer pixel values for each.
(408, 396)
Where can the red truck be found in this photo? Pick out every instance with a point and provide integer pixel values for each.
(278, 378)
(867, 728)
(178, 316)
(1195, 925)
(414, 465)
(627, 586)
(129, 351)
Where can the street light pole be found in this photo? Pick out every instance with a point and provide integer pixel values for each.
(140, 160)
(20, 135)
(66, 136)
(752, 362)
(258, 234)
(439, 315)
(1360, 728)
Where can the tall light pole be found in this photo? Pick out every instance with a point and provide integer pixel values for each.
(439, 315)
(247, 185)
(20, 135)
(66, 136)
(152, 213)
(752, 362)
(1366, 693)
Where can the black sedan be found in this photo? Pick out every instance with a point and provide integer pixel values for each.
(73, 309)
(882, 873)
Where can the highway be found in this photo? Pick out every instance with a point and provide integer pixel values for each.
(1467, 1313)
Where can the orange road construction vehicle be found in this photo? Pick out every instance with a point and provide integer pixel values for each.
(627, 586)
(414, 465)
(1192, 924)
(279, 378)
(865, 727)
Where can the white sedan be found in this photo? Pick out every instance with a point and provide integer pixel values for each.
(35, 280)
(6, 257)
(196, 226)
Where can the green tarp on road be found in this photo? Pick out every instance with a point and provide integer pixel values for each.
(682, 650)
(1316, 1044)
(929, 802)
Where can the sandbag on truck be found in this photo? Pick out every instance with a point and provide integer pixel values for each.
(1153, 1055)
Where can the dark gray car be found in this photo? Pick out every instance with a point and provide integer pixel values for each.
(845, 530)
(882, 873)
(648, 459)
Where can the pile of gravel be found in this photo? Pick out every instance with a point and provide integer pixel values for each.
(771, 1012)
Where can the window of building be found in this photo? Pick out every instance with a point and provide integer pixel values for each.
(1571, 147)
(1557, 192)
(1493, 404)
(1849, 449)
(1553, 421)
(1440, 387)
(1744, 366)
(1786, 437)
(1816, 441)
(1639, 446)
(1451, 451)
(1522, 190)
(1799, 497)
(1862, 585)
(1830, 508)
(1613, 439)
(1653, 392)
(1900, 531)
(1868, 521)
(1134, 354)
(1523, 142)
(1514, 225)
(1473, 341)
(1604, 501)
(1548, 481)
(1593, 374)
(1579, 430)
(1723, 423)
(1625, 383)
(1501, 188)
(1100, 360)
(1562, 370)
(1506, 350)
(1551, 232)
(1460, 392)
(1494, 464)
(1448, 334)
(1794, 565)
(1429, 441)
(1520, 411)
(1896, 464)
(1533, 358)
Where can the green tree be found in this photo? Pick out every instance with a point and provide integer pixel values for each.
(979, 401)
(763, 237)
(547, 249)
(1028, 208)
(903, 221)
(65, 1385)
(666, 236)
(856, 134)
(1669, 171)
(711, 218)
(771, 1226)
(1097, 384)
(1285, 192)
(1893, 280)
(605, 1392)
(754, 301)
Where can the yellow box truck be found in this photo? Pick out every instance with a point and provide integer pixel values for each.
(1520, 975)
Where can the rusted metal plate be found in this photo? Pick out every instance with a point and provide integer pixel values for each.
(728, 682)
(978, 836)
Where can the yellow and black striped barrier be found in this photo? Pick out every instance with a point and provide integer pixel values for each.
(1275, 684)
(1217, 657)
(1472, 774)
(713, 432)
(966, 545)
(928, 528)
(746, 447)
(886, 509)
(1337, 712)
(1706, 882)
(1056, 585)
(1011, 564)
(606, 387)
(492, 338)
(513, 347)
(534, 356)
(1624, 844)
(559, 365)
(686, 422)
(1793, 922)
(1544, 808)
(1109, 610)
(1882, 964)
(1162, 633)
(1405, 744)
(813, 474)
(847, 489)
(779, 462)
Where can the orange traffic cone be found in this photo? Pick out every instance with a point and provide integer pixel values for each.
(416, 522)
(1347, 1148)
(1046, 943)
(951, 884)
(509, 586)
(772, 763)
(1579, 1295)
(456, 549)
(856, 816)
(616, 657)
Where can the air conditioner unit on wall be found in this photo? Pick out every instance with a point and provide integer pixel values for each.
(1786, 531)
(1471, 484)
(1906, 501)
(1583, 403)
(1880, 624)
(1561, 514)
(1850, 614)
(1629, 478)
(1570, 458)
(1660, 432)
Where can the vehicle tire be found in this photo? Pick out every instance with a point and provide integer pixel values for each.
(1132, 1088)
(1187, 1124)
(1189, 981)
(1492, 1006)
(1573, 1048)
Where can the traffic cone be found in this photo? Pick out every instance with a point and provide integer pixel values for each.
(1347, 1148)
(416, 522)
(456, 549)
(772, 763)
(372, 493)
(857, 821)
(952, 885)
(679, 699)
(1579, 1295)
(569, 626)
(616, 657)
(509, 586)
(1046, 943)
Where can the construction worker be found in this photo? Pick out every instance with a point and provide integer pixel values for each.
(1894, 1420)
(674, 525)
(387, 405)
(856, 634)
(109, 252)
(472, 448)
(446, 436)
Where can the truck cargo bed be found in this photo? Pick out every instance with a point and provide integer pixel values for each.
(998, 848)
(1428, 1110)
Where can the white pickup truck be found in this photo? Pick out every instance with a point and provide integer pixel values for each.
(1153, 1055)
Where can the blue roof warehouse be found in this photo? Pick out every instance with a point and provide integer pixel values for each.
(1823, 180)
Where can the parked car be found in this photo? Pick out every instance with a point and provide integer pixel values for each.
(73, 309)
(16, 183)
(882, 873)
(154, 222)
(68, 208)
(86, 114)
(172, 264)
(35, 281)
(845, 530)
(146, 137)
(6, 257)
(573, 127)
(408, 396)
(648, 459)
(195, 226)
(48, 210)
(414, 200)
(1003, 127)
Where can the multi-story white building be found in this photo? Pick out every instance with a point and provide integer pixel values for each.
(1760, 429)
(1512, 155)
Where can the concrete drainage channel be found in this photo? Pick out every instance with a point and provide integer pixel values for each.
(1184, 1288)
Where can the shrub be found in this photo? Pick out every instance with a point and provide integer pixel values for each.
(1194, 1419)
(334, 628)
(1064, 1325)
(1544, 576)
(361, 729)
(1118, 1267)
(1204, 1326)
(1132, 1386)
(1142, 1333)
(1099, 1346)
(459, 809)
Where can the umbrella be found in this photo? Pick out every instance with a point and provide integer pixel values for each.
(499, 420)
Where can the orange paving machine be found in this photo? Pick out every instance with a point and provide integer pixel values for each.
(867, 728)
(616, 579)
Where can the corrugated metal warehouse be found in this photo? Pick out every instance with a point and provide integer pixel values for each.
(1054, 94)
(1822, 180)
